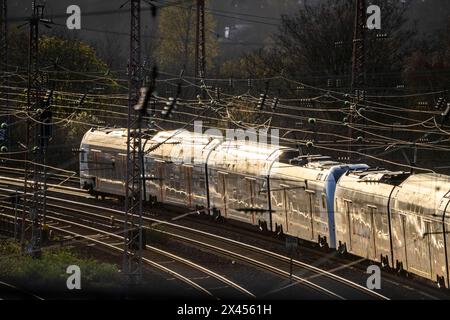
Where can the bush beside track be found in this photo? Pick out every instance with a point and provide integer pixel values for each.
(48, 274)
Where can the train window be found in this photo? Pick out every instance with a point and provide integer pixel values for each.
(324, 201)
(409, 206)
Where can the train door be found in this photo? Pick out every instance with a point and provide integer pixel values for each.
(222, 189)
(446, 232)
(403, 223)
(188, 185)
(348, 212)
(418, 245)
(95, 168)
(286, 206)
(123, 169)
(277, 200)
(428, 258)
(372, 212)
(199, 191)
(311, 210)
(250, 182)
(160, 179)
(446, 236)
(260, 202)
(299, 208)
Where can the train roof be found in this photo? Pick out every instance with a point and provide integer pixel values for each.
(186, 147)
(424, 194)
(373, 181)
(116, 138)
(106, 138)
(255, 158)
(428, 183)
(379, 176)
(316, 169)
(245, 156)
(322, 164)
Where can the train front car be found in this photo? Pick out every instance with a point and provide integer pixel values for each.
(103, 161)
(302, 197)
(420, 209)
(362, 213)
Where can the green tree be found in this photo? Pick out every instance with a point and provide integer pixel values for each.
(315, 44)
(428, 67)
(317, 40)
(257, 64)
(176, 46)
(66, 62)
(67, 66)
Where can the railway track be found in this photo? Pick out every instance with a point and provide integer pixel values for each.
(396, 287)
(204, 280)
(12, 292)
(55, 178)
(327, 283)
(17, 184)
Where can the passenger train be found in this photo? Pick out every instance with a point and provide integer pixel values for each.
(397, 219)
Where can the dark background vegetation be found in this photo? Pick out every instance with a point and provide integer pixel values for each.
(306, 41)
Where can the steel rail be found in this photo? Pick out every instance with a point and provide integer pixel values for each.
(189, 263)
(297, 263)
(20, 291)
(311, 268)
(260, 264)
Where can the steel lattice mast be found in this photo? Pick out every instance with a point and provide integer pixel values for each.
(34, 201)
(200, 47)
(4, 60)
(358, 63)
(3, 36)
(132, 257)
(359, 54)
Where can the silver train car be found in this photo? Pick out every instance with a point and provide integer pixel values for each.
(302, 197)
(254, 183)
(362, 213)
(419, 224)
(393, 218)
(397, 219)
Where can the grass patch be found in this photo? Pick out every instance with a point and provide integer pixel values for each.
(49, 272)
